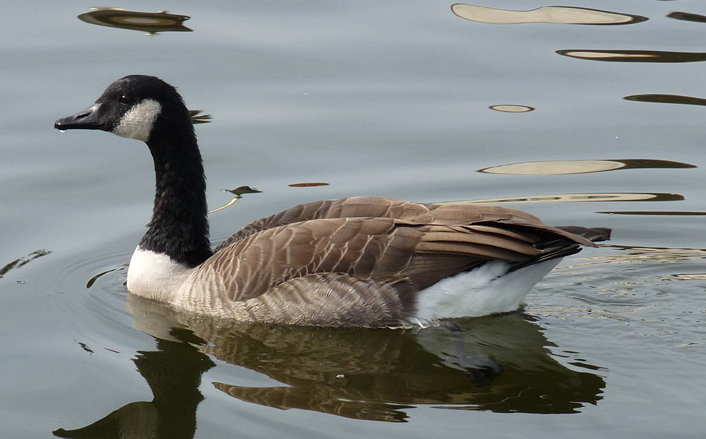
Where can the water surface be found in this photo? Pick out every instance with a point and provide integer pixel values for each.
(391, 99)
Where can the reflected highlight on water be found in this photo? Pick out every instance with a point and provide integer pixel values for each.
(512, 108)
(580, 198)
(634, 55)
(545, 14)
(665, 256)
(688, 16)
(654, 212)
(666, 99)
(149, 22)
(564, 167)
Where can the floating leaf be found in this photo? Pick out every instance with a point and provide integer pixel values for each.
(242, 190)
(230, 203)
(238, 193)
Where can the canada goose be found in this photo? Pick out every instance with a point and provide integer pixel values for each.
(361, 261)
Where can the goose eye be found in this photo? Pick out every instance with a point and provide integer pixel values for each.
(124, 99)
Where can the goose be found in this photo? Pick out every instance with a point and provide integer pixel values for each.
(354, 262)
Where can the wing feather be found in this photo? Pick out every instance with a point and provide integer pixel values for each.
(378, 240)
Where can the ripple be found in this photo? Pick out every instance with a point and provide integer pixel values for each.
(652, 295)
(94, 292)
(21, 262)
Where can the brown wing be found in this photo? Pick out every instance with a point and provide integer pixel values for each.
(376, 207)
(421, 250)
(354, 207)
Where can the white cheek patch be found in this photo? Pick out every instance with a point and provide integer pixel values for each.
(137, 123)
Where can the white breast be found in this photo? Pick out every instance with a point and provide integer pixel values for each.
(155, 275)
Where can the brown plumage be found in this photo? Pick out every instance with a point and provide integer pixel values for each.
(364, 259)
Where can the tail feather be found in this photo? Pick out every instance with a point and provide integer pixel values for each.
(595, 234)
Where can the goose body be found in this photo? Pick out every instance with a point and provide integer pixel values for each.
(360, 261)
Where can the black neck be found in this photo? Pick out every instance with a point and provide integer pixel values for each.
(179, 225)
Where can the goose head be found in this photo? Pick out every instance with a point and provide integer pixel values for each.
(133, 107)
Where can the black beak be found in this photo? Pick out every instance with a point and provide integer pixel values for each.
(83, 120)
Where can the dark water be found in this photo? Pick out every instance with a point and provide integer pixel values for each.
(389, 99)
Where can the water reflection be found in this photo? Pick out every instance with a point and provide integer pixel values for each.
(21, 262)
(564, 167)
(149, 22)
(634, 254)
(500, 364)
(308, 184)
(173, 373)
(695, 276)
(654, 212)
(666, 99)
(580, 198)
(545, 14)
(512, 108)
(687, 16)
(635, 55)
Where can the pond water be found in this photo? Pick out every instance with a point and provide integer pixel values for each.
(599, 123)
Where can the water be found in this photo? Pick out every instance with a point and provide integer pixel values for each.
(373, 98)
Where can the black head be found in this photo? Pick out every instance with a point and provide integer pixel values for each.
(130, 107)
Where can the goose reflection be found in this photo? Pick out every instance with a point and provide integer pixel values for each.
(499, 364)
(173, 373)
